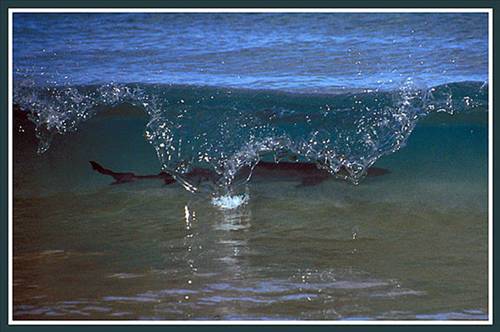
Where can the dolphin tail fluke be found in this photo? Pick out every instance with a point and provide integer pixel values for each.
(98, 167)
(119, 177)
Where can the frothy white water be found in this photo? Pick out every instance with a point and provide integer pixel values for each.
(228, 202)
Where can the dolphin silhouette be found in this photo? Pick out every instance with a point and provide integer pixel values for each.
(308, 173)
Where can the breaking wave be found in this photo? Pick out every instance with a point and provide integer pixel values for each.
(228, 131)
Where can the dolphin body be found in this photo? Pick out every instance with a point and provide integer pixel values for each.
(307, 173)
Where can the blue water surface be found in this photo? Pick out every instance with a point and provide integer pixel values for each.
(288, 51)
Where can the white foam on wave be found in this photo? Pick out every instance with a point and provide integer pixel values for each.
(229, 202)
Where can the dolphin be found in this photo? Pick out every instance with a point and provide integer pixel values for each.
(308, 173)
(129, 176)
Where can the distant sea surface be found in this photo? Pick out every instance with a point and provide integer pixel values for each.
(263, 51)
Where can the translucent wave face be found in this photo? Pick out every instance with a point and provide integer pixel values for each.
(228, 132)
(210, 139)
(59, 110)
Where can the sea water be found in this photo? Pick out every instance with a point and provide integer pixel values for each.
(145, 92)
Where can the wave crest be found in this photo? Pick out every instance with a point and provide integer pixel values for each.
(229, 131)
